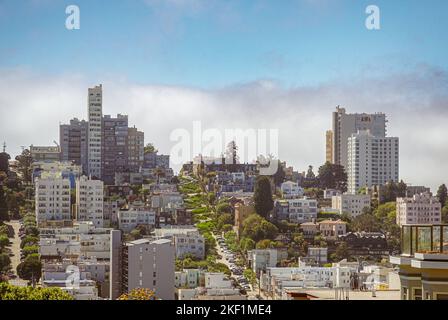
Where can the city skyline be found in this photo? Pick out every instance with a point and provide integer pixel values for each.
(292, 81)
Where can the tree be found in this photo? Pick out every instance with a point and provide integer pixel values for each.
(257, 228)
(139, 294)
(10, 292)
(30, 269)
(5, 263)
(24, 162)
(279, 176)
(4, 216)
(149, 148)
(232, 152)
(224, 219)
(4, 241)
(247, 244)
(365, 222)
(223, 208)
(341, 252)
(442, 194)
(445, 214)
(250, 275)
(4, 162)
(136, 234)
(332, 176)
(263, 196)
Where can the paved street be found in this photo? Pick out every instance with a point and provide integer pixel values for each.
(251, 294)
(15, 248)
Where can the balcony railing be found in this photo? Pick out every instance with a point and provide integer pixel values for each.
(424, 239)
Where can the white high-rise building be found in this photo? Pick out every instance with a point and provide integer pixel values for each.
(52, 200)
(372, 160)
(89, 201)
(345, 124)
(420, 209)
(95, 114)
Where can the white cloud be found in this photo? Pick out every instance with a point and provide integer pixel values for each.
(32, 106)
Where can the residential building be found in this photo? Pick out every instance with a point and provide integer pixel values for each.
(89, 201)
(344, 125)
(189, 278)
(309, 229)
(302, 210)
(52, 201)
(329, 146)
(419, 209)
(142, 263)
(94, 135)
(330, 193)
(318, 255)
(45, 153)
(114, 156)
(371, 160)
(331, 229)
(110, 212)
(276, 280)
(413, 190)
(57, 169)
(136, 144)
(291, 190)
(93, 242)
(73, 140)
(423, 263)
(216, 287)
(186, 239)
(260, 259)
(366, 244)
(352, 204)
(90, 281)
(132, 216)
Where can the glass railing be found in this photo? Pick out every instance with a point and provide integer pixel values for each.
(424, 239)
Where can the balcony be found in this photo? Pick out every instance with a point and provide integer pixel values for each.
(424, 239)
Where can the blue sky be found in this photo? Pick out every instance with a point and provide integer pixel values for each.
(211, 44)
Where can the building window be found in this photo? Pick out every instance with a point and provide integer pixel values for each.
(404, 293)
(418, 294)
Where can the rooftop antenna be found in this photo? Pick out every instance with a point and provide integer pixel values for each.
(4, 146)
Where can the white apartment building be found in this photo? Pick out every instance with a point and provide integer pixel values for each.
(93, 242)
(276, 280)
(420, 209)
(129, 219)
(329, 193)
(371, 160)
(89, 201)
(217, 287)
(291, 190)
(188, 278)
(187, 240)
(166, 200)
(52, 200)
(94, 135)
(145, 264)
(353, 204)
(86, 273)
(302, 210)
(345, 124)
(260, 259)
